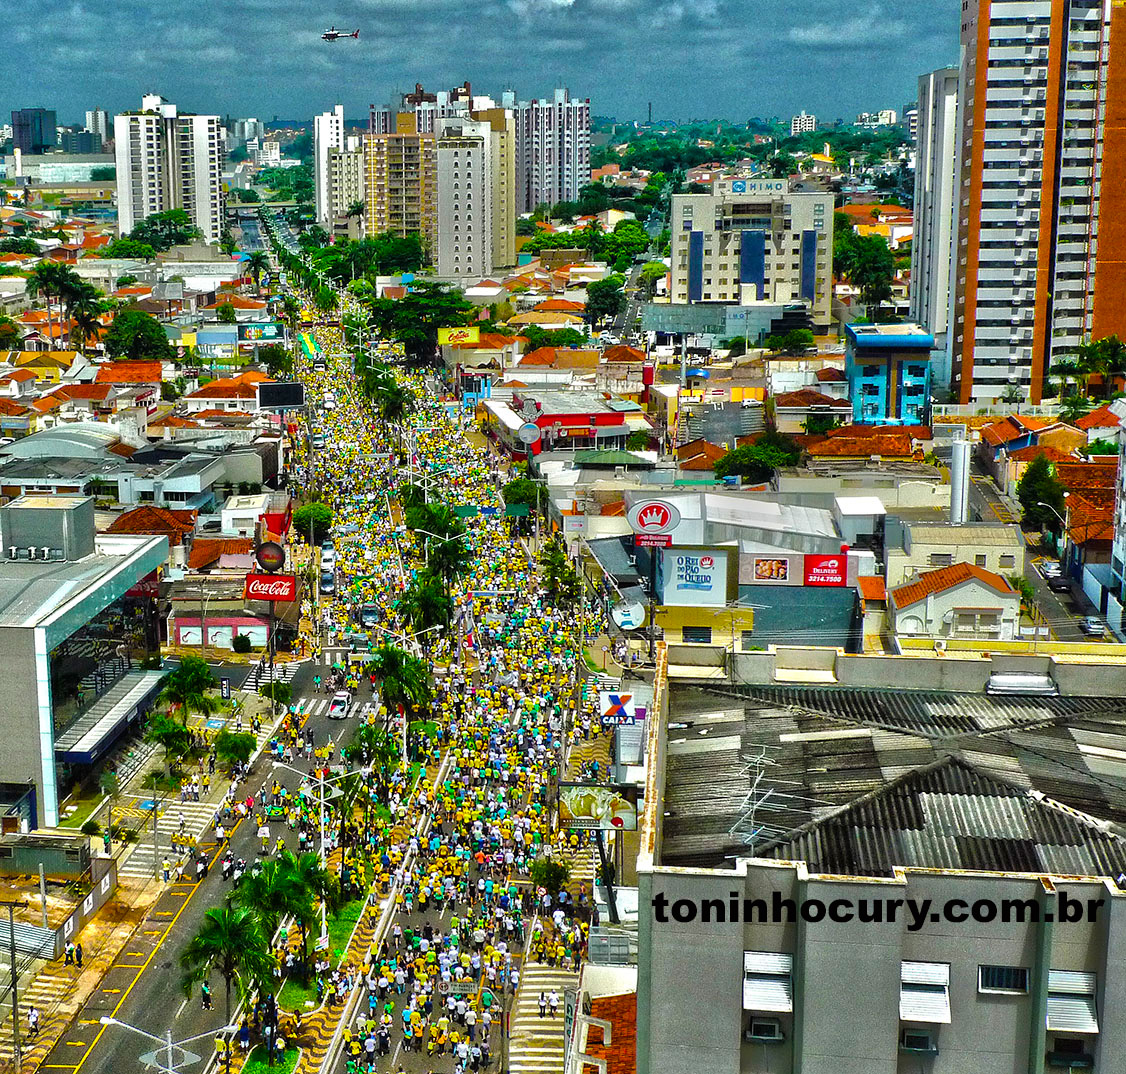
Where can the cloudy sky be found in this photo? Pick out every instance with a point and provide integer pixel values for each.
(691, 58)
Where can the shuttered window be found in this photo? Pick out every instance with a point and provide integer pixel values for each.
(1071, 1002)
(924, 992)
(768, 981)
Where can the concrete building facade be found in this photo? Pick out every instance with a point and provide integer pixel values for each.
(400, 182)
(889, 373)
(802, 124)
(552, 148)
(932, 241)
(1041, 234)
(751, 241)
(328, 134)
(168, 159)
(465, 197)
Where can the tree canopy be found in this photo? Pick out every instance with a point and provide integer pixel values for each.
(414, 320)
(136, 335)
(757, 462)
(604, 299)
(1041, 496)
(164, 230)
(314, 517)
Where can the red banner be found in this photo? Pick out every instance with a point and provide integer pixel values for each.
(826, 570)
(271, 587)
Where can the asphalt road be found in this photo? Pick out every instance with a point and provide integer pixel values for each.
(143, 985)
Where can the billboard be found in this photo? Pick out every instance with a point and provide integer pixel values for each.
(261, 332)
(602, 808)
(694, 578)
(460, 335)
(653, 517)
(280, 394)
(771, 569)
(271, 587)
(829, 570)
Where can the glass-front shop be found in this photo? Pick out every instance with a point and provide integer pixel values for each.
(95, 657)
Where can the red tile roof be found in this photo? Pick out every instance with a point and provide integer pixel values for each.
(158, 521)
(1102, 418)
(224, 389)
(560, 305)
(18, 375)
(129, 372)
(1052, 454)
(13, 410)
(621, 1053)
(889, 444)
(206, 550)
(872, 587)
(622, 353)
(830, 375)
(1090, 516)
(238, 302)
(95, 392)
(540, 356)
(807, 397)
(1083, 476)
(946, 578)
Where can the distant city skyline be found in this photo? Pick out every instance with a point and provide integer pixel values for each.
(703, 59)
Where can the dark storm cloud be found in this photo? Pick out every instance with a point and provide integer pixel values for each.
(691, 58)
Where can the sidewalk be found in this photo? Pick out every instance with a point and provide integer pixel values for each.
(61, 991)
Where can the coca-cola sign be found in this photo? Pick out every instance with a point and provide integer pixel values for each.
(271, 587)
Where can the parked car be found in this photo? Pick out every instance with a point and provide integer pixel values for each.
(1059, 583)
(339, 706)
(1050, 569)
(1092, 626)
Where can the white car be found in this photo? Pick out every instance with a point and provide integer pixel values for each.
(340, 705)
(1050, 569)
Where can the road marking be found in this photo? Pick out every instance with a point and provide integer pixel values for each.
(112, 991)
(180, 1009)
(149, 932)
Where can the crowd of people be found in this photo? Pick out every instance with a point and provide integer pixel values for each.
(453, 838)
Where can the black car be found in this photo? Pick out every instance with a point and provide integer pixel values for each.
(1060, 583)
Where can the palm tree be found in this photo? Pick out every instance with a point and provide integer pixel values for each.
(426, 603)
(45, 280)
(1102, 357)
(1074, 406)
(355, 209)
(258, 262)
(404, 680)
(186, 688)
(85, 309)
(307, 875)
(269, 891)
(232, 941)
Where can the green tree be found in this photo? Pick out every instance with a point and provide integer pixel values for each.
(559, 578)
(232, 941)
(604, 298)
(276, 359)
(1041, 496)
(872, 271)
(280, 693)
(309, 876)
(170, 735)
(426, 603)
(256, 264)
(651, 273)
(129, 249)
(235, 747)
(186, 687)
(314, 518)
(550, 875)
(414, 320)
(226, 313)
(758, 461)
(270, 893)
(10, 334)
(526, 491)
(1102, 358)
(1074, 406)
(164, 230)
(247, 196)
(404, 680)
(1102, 447)
(639, 440)
(136, 335)
(794, 343)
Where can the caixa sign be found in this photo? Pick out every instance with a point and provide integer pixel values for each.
(271, 587)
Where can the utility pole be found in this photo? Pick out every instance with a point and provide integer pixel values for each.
(11, 905)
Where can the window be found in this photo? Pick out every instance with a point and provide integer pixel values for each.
(918, 1041)
(940, 559)
(746, 640)
(765, 1031)
(1011, 980)
(1071, 1002)
(768, 981)
(980, 561)
(924, 992)
(696, 635)
(1070, 1052)
(1008, 562)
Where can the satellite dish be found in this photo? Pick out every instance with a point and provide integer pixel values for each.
(628, 615)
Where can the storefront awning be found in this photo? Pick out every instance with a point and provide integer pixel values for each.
(94, 731)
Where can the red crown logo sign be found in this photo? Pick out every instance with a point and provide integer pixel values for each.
(655, 517)
(707, 562)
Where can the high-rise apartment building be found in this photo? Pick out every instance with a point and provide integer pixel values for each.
(97, 122)
(552, 148)
(754, 240)
(465, 197)
(345, 177)
(167, 159)
(502, 143)
(34, 130)
(802, 124)
(400, 180)
(328, 134)
(1041, 241)
(428, 108)
(935, 194)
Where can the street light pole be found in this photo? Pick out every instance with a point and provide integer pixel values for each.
(11, 905)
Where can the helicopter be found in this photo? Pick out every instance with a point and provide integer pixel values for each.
(333, 34)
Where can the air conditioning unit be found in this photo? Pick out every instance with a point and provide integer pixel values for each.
(940, 646)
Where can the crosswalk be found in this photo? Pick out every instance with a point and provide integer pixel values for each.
(536, 1045)
(144, 860)
(260, 674)
(318, 706)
